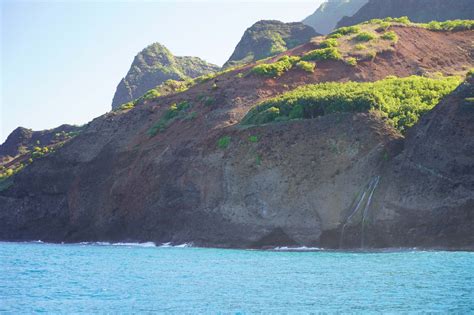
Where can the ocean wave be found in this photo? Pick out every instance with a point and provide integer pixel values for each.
(296, 249)
(145, 244)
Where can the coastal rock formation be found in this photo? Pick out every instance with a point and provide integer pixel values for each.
(154, 65)
(202, 177)
(268, 38)
(420, 11)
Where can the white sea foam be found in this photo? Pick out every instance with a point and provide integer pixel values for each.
(296, 249)
(166, 245)
(145, 244)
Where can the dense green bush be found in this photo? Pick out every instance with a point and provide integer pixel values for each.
(351, 61)
(306, 66)
(330, 42)
(364, 37)
(451, 25)
(391, 35)
(347, 30)
(277, 68)
(402, 100)
(330, 53)
(360, 47)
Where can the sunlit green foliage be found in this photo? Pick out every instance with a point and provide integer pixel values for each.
(127, 106)
(277, 68)
(347, 30)
(330, 42)
(306, 66)
(364, 37)
(323, 54)
(351, 61)
(391, 35)
(360, 47)
(451, 25)
(402, 100)
(174, 112)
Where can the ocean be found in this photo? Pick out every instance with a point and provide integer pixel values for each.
(144, 278)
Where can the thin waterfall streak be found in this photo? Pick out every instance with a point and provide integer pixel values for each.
(374, 184)
(353, 213)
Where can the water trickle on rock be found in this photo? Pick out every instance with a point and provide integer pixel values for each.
(364, 198)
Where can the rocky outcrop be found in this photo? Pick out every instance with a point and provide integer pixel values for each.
(154, 65)
(426, 196)
(288, 183)
(325, 18)
(268, 38)
(420, 11)
(22, 140)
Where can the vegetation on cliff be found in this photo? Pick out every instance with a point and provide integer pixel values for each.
(420, 11)
(153, 66)
(401, 100)
(268, 38)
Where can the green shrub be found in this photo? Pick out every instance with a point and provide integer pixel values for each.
(364, 37)
(277, 68)
(127, 106)
(392, 36)
(335, 36)
(330, 42)
(403, 100)
(451, 25)
(402, 20)
(383, 26)
(347, 30)
(323, 54)
(253, 139)
(360, 47)
(223, 142)
(306, 66)
(351, 61)
(175, 111)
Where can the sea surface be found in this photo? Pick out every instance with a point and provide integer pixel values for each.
(133, 278)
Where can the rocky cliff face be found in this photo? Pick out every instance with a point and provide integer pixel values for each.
(421, 11)
(154, 65)
(288, 183)
(269, 38)
(22, 140)
(325, 18)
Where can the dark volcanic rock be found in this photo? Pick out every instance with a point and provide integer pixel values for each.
(154, 65)
(325, 18)
(417, 10)
(278, 184)
(269, 38)
(426, 194)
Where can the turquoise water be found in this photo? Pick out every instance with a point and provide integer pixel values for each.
(123, 279)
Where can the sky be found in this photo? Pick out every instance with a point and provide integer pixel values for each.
(61, 61)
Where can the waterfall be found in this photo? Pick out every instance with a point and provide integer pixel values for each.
(374, 183)
(368, 191)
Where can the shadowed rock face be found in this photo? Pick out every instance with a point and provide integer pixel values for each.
(294, 183)
(420, 11)
(154, 65)
(325, 18)
(269, 38)
(427, 196)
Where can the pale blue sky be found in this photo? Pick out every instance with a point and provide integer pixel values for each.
(62, 60)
